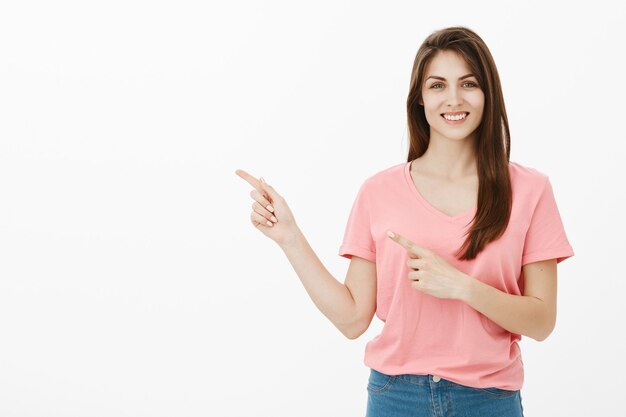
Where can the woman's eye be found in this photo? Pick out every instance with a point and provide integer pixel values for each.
(467, 82)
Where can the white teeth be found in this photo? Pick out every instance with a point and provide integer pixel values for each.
(459, 117)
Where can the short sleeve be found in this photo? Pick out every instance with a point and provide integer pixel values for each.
(546, 238)
(357, 238)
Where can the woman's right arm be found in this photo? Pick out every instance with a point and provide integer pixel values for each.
(350, 306)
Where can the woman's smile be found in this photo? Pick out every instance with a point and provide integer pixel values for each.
(455, 119)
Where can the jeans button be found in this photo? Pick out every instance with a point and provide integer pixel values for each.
(436, 378)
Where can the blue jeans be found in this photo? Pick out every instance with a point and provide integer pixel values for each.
(431, 396)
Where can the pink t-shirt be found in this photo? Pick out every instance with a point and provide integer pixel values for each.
(424, 334)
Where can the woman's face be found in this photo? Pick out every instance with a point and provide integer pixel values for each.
(451, 92)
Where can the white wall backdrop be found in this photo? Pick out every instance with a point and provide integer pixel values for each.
(132, 282)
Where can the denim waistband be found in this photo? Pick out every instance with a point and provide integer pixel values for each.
(428, 379)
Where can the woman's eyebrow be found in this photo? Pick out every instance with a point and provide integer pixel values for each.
(443, 79)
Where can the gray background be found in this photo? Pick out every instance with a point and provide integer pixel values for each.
(132, 282)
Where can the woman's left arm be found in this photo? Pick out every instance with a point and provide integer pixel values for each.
(532, 314)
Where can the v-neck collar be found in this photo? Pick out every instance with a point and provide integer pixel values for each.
(430, 207)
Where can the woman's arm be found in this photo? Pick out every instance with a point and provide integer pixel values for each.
(532, 314)
(331, 297)
(350, 306)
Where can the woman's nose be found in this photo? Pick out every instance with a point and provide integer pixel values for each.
(454, 96)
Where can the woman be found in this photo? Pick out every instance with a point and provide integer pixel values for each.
(455, 250)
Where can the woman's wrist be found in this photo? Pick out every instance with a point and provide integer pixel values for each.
(291, 239)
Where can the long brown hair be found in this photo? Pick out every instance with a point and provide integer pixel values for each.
(493, 144)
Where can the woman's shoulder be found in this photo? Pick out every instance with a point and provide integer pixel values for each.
(524, 174)
(385, 175)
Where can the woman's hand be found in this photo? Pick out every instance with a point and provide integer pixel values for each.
(431, 273)
(270, 212)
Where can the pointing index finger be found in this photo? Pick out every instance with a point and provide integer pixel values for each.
(252, 181)
(406, 244)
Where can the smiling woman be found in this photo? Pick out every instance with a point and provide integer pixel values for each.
(455, 250)
(453, 75)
